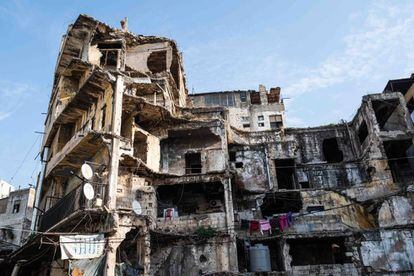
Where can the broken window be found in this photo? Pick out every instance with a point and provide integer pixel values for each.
(246, 125)
(186, 199)
(275, 121)
(243, 96)
(219, 99)
(331, 150)
(255, 98)
(16, 206)
(285, 173)
(280, 203)
(304, 184)
(110, 54)
(400, 155)
(260, 118)
(388, 115)
(362, 132)
(192, 162)
(261, 124)
(157, 61)
(316, 251)
(232, 156)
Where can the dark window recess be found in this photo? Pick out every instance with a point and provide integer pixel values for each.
(285, 173)
(255, 98)
(109, 58)
(239, 165)
(157, 61)
(103, 114)
(315, 208)
(400, 154)
(304, 184)
(243, 96)
(137, 120)
(261, 124)
(317, 251)
(260, 118)
(16, 206)
(232, 156)
(246, 125)
(194, 198)
(192, 163)
(110, 53)
(93, 123)
(275, 121)
(362, 132)
(281, 202)
(331, 150)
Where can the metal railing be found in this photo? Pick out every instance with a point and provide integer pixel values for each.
(70, 203)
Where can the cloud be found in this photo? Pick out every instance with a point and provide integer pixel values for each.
(373, 51)
(12, 96)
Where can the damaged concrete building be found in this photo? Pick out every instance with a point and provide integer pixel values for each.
(200, 184)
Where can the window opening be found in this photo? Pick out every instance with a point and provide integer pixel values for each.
(331, 151)
(285, 173)
(192, 163)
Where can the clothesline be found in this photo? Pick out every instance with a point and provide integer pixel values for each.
(276, 222)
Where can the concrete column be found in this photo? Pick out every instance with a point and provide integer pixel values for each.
(113, 243)
(116, 131)
(146, 258)
(232, 248)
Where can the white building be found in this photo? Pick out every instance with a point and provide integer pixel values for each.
(5, 188)
(15, 218)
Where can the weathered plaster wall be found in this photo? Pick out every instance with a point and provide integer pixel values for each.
(137, 56)
(250, 167)
(210, 147)
(214, 255)
(393, 251)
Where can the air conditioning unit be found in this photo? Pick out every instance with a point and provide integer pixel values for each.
(215, 203)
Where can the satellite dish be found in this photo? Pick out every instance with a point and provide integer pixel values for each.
(88, 191)
(87, 171)
(136, 207)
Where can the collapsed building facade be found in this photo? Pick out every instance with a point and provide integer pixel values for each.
(179, 180)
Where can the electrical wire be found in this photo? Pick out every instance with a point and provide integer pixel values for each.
(24, 159)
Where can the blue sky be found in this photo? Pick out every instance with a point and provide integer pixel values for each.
(323, 54)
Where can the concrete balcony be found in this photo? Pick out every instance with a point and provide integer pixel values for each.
(80, 148)
(89, 92)
(69, 207)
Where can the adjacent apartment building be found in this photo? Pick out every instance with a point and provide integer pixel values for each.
(16, 211)
(212, 182)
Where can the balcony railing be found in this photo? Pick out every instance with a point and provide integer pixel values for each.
(69, 204)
